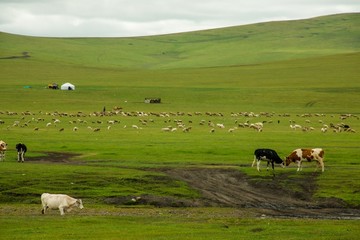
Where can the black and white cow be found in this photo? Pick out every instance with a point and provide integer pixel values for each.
(21, 150)
(268, 155)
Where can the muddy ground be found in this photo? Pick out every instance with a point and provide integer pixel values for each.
(228, 187)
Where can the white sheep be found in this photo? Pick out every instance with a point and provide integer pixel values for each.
(166, 129)
(256, 127)
(295, 126)
(232, 129)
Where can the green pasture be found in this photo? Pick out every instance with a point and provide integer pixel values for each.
(298, 71)
(203, 223)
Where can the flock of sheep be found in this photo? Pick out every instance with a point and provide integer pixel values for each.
(173, 121)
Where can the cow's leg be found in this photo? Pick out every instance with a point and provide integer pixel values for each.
(61, 210)
(18, 155)
(43, 210)
(299, 166)
(321, 163)
(258, 165)
(254, 161)
(22, 156)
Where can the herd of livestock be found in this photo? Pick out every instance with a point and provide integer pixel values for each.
(66, 203)
(173, 121)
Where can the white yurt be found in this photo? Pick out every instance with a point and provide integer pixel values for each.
(67, 86)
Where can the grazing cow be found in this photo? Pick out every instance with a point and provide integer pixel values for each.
(299, 155)
(59, 201)
(3, 146)
(21, 150)
(269, 155)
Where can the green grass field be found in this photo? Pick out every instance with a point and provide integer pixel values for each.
(304, 71)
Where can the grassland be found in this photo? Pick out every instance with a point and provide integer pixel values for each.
(285, 69)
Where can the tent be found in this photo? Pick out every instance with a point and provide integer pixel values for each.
(67, 86)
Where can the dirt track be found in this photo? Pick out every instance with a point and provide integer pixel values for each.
(228, 187)
(231, 188)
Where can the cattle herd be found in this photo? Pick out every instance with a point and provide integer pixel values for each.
(20, 147)
(297, 156)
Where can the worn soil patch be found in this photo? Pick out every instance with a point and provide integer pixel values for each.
(269, 195)
(53, 157)
(230, 188)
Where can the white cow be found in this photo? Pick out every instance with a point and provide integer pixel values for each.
(59, 201)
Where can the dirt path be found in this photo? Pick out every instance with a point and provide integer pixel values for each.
(229, 187)
(269, 195)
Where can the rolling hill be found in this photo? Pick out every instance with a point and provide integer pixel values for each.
(240, 45)
(254, 66)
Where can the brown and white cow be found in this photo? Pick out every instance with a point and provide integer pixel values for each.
(3, 147)
(299, 155)
(62, 202)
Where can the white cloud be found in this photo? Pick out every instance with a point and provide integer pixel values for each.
(142, 17)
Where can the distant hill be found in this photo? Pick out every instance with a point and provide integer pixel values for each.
(240, 45)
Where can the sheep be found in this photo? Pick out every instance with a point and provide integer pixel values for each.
(187, 129)
(232, 129)
(295, 126)
(166, 129)
(259, 124)
(256, 127)
(324, 129)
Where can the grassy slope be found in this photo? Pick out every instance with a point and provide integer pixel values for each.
(249, 44)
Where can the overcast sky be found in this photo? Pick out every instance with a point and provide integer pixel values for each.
(123, 18)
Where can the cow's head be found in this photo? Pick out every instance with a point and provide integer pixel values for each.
(282, 164)
(287, 161)
(79, 203)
